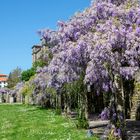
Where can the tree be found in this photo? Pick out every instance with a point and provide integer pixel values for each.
(27, 74)
(14, 77)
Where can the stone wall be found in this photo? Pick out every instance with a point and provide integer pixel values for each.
(36, 52)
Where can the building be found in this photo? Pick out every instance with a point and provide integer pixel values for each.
(38, 51)
(3, 80)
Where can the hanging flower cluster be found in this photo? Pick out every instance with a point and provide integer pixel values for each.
(102, 41)
(4, 90)
(13, 92)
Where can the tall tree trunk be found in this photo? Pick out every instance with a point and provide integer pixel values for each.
(68, 103)
(58, 101)
(120, 105)
(83, 105)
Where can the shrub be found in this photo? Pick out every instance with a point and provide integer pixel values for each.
(82, 123)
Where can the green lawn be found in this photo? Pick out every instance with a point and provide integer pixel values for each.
(20, 122)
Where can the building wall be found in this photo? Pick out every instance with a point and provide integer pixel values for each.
(3, 84)
(38, 52)
(3, 80)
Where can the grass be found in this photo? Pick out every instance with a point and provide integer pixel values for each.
(21, 122)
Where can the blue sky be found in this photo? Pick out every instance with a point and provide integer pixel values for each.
(19, 22)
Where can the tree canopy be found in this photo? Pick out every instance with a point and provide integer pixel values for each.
(14, 77)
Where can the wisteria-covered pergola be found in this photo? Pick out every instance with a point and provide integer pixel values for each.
(93, 60)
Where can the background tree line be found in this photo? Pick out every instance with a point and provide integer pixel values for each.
(17, 75)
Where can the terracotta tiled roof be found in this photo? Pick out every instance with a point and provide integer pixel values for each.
(2, 79)
(3, 75)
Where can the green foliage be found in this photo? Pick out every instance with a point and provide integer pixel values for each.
(58, 111)
(39, 63)
(137, 86)
(52, 91)
(26, 90)
(82, 123)
(27, 74)
(14, 77)
(75, 87)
